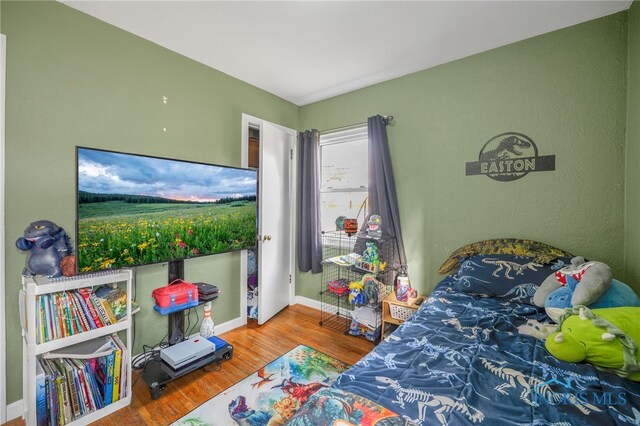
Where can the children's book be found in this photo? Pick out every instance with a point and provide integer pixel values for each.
(41, 395)
(66, 415)
(110, 376)
(68, 315)
(84, 321)
(91, 374)
(116, 300)
(94, 348)
(73, 390)
(87, 314)
(53, 407)
(124, 367)
(84, 385)
(55, 320)
(61, 315)
(117, 368)
(86, 295)
(97, 303)
(105, 379)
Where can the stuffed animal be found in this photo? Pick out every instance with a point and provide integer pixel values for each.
(47, 244)
(370, 254)
(356, 293)
(69, 265)
(618, 294)
(594, 277)
(582, 284)
(374, 226)
(606, 338)
(373, 289)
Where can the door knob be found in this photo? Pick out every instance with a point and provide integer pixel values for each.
(266, 238)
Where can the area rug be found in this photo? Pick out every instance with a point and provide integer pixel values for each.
(272, 394)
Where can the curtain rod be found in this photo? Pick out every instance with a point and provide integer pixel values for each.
(350, 126)
(389, 119)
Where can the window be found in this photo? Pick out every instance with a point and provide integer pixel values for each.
(343, 175)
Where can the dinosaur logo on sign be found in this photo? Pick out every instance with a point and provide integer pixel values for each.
(510, 156)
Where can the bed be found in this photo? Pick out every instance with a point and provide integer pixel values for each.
(460, 360)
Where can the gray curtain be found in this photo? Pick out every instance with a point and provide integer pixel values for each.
(382, 187)
(308, 232)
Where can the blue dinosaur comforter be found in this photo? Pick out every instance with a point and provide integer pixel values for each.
(461, 360)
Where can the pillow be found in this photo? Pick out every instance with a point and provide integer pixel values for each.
(504, 276)
(543, 253)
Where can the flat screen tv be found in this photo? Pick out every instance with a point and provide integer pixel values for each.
(137, 210)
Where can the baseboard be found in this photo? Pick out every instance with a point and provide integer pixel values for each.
(230, 325)
(14, 410)
(224, 327)
(305, 301)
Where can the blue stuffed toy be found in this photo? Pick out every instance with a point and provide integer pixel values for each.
(580, 284)
(618, 294)
(47, 244)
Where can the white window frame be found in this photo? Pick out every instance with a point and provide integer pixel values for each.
(345, 135)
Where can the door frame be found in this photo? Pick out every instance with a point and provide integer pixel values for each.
(251, 121)
(3, 341)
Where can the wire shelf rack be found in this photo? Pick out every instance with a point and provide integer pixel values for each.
(343, 263)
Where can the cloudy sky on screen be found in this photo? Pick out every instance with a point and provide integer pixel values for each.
(106, 172)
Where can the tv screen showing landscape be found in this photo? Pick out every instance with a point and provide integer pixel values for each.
(136, 210)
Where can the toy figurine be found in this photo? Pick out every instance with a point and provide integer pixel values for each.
(370, 254)
(374, 226)
(47, 244)
(356, 293)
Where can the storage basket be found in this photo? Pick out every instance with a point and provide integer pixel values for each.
(400, 312)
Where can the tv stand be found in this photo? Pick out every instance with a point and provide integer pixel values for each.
(156, 373)
(176, 319)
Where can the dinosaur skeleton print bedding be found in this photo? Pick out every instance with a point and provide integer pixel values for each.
(461, 360)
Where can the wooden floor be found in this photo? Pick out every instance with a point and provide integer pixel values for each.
(252, 349)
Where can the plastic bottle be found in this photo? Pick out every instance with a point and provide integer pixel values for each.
(207, 326)
(402, 285)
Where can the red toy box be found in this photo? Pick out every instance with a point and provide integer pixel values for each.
(176, 294)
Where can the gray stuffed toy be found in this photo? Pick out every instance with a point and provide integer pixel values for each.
(374, 226)
(594, 277)
(578, 285)
(47, 244)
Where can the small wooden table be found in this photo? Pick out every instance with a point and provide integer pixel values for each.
(403, 310)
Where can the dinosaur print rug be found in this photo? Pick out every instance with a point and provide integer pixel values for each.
(271, 395)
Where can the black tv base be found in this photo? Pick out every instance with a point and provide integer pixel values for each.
(157, 373)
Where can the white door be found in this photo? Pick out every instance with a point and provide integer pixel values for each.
(274, 224)
(276, 208)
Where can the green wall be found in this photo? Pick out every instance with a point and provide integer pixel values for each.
(632, 181)
(74, 80)
(566, 90)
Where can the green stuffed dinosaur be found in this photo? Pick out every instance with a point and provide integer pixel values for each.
(606, 338)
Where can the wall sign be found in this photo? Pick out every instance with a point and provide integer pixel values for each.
(510, 156)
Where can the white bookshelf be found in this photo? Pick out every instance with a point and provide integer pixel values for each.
(37, 286)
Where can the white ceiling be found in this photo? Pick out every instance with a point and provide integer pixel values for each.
(306, 51)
